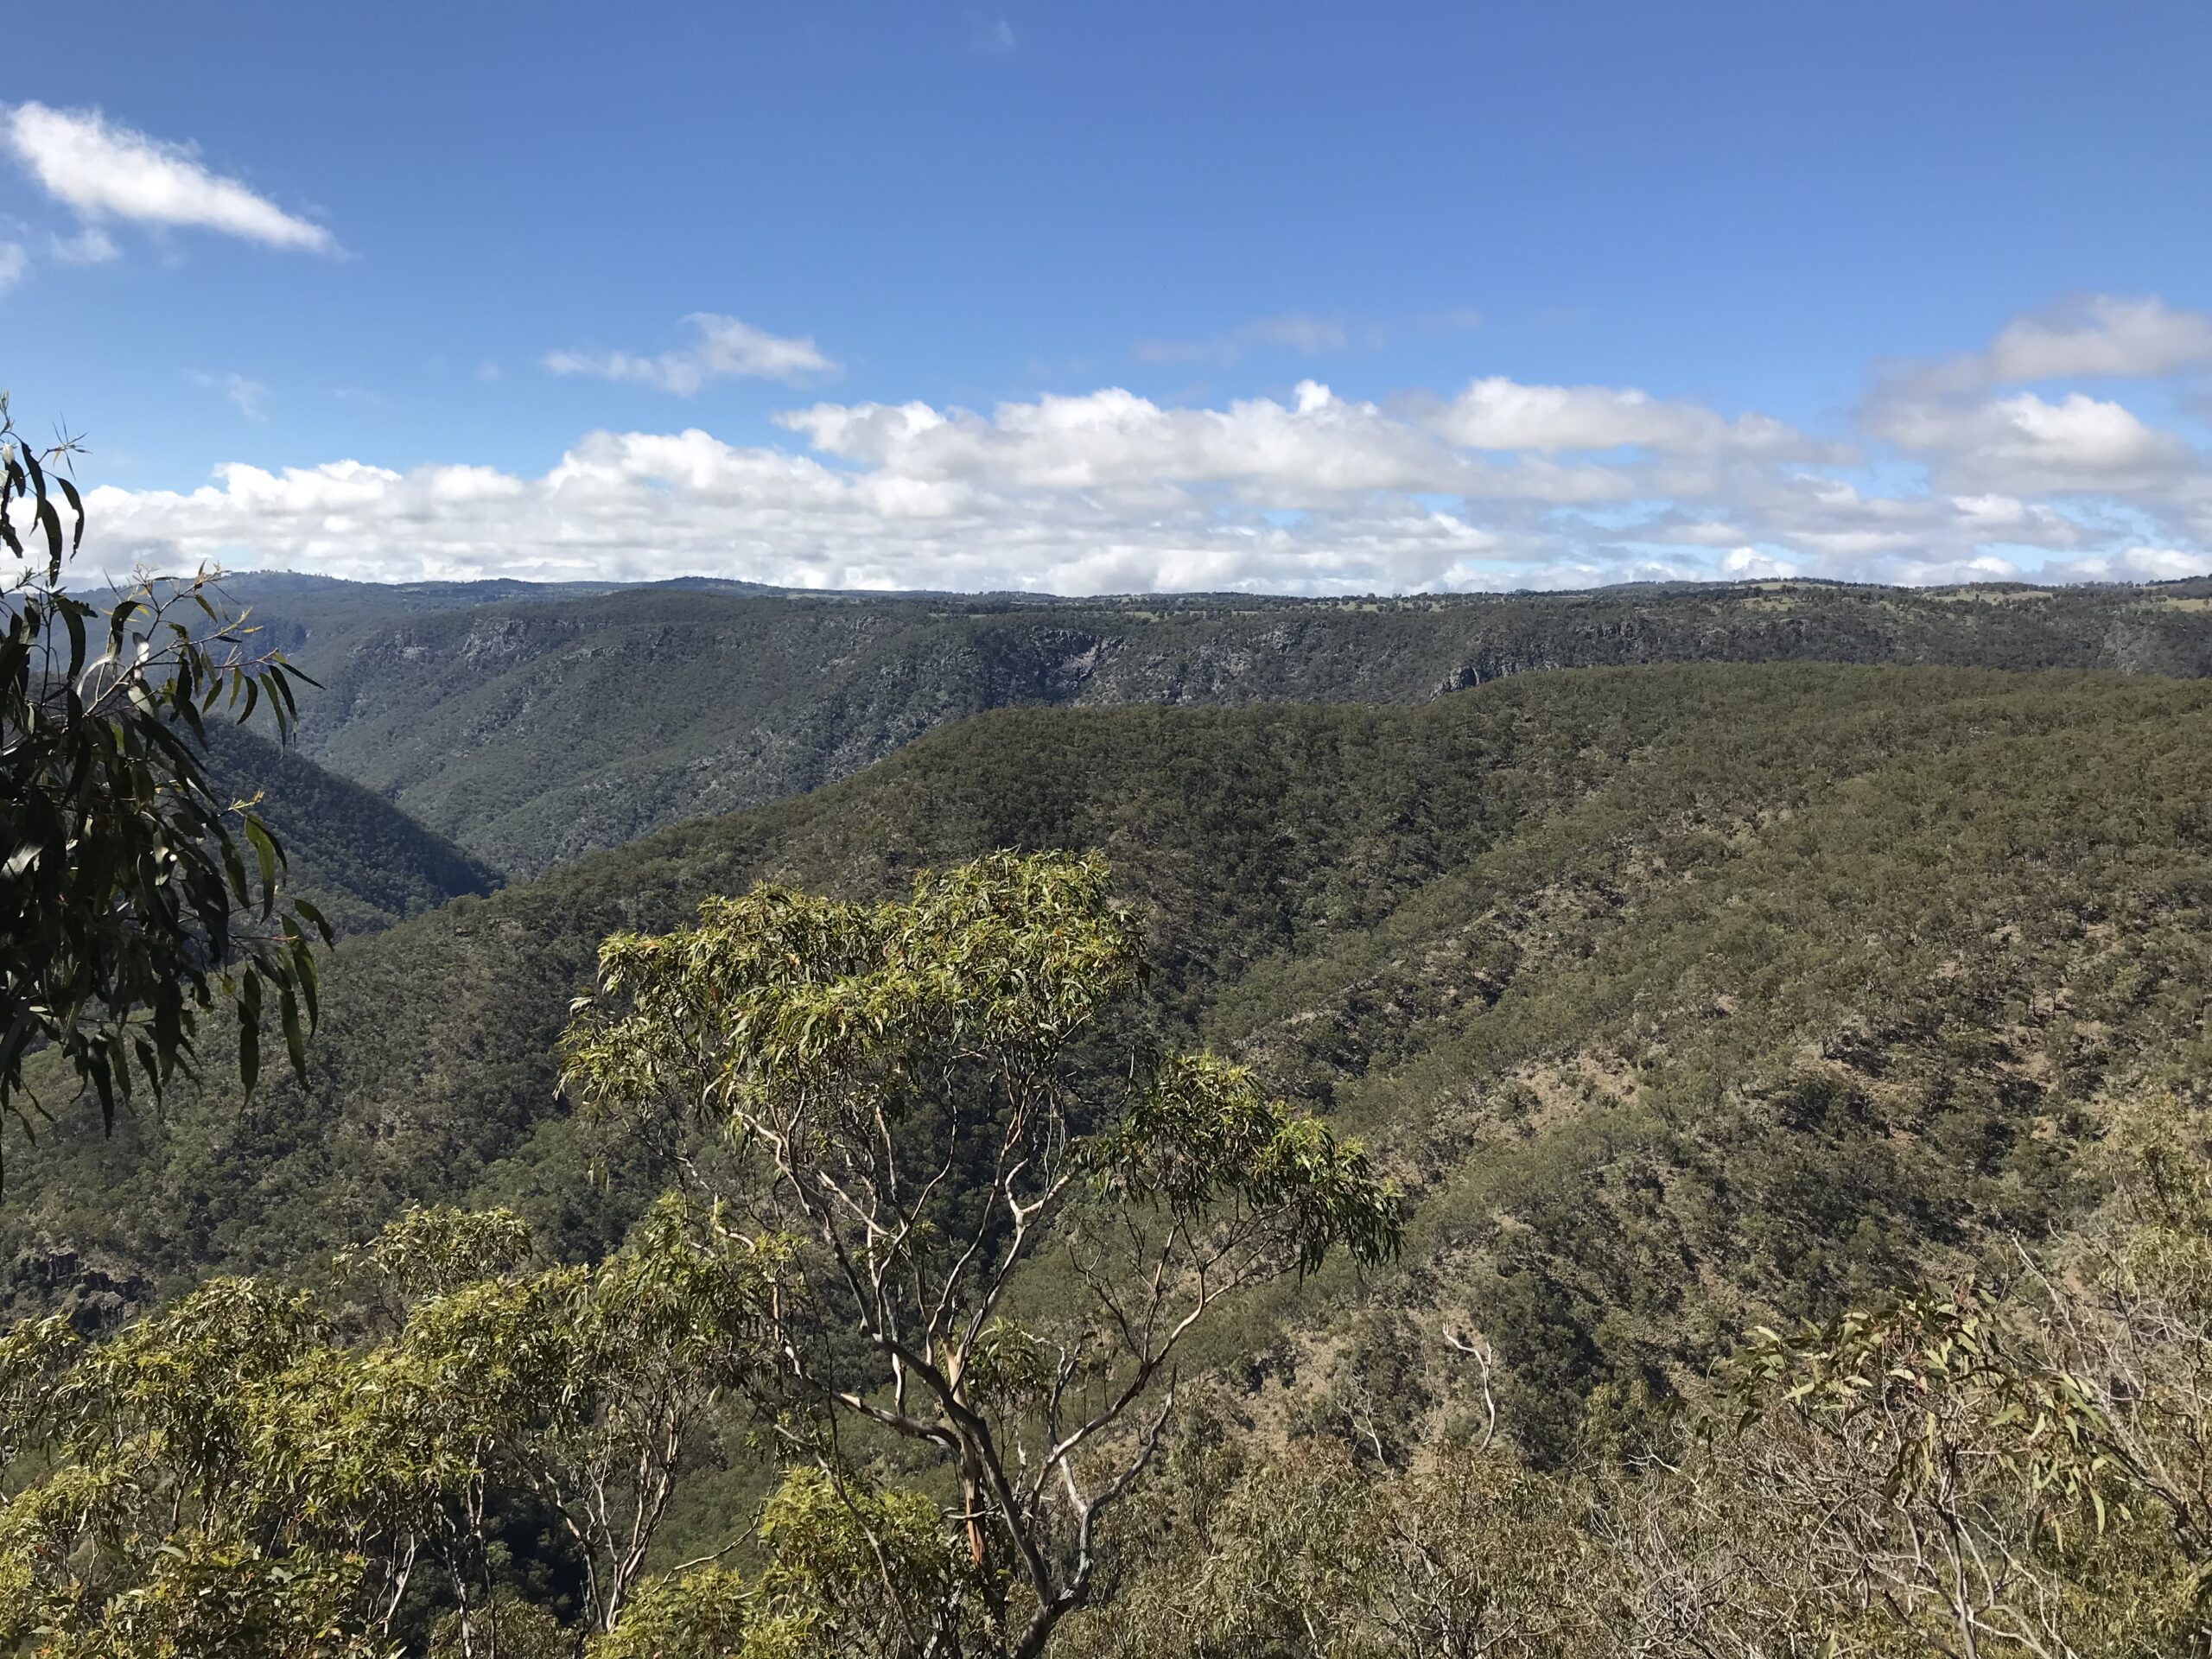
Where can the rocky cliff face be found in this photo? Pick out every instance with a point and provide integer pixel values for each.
(534, 732)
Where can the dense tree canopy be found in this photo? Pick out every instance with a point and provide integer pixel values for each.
(2017, 1471)
(536, 723)
(1795, 1078)
(928, 1094)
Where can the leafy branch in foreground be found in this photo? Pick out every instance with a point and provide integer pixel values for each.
(937, 1097)
(132, 897)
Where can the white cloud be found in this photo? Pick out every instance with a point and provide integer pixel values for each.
(1971, 422)
(2135, 564)
(2024, 443)
(722, 348)
(1498, 413)
(1311, 451)
(15, 260)
(640, 505)
(1115, 439)
(1749, 564)
(2101, 335)
(101, 170)
(244, 395)
(2094, 336)
(1504, 484)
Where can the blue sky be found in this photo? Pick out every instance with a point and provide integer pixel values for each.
(1315, 297)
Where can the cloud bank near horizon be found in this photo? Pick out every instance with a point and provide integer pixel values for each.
(2016, 460)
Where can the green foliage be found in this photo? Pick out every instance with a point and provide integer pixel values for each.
(1943, 1474)
(433, 1252)
(362, 862)
(847, 1572)
(231, 1452)
(1929, 1384)
(705, 1613)
(1938, 1473)
(1306, 1552)
(133, 896)
(1676, 1000)
(1203, 1136)
(779, 1003)
(907, 1092)
(853, 1571)
(2163, 1159)
(204, 1596)
(536, 724)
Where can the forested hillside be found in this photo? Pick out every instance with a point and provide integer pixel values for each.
(359, 859)
(534, 725)
(1676, 998)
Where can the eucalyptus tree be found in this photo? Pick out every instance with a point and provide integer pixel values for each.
(231, 1452)
(134, 899)
(1021, 1214)
(140, 1517)
(1305, 1551)
(585, 1385)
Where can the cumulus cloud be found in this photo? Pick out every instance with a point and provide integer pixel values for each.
(1309, 451)
(1749, 564)
(640, 505)
(1989, 421)
(2025, 442)
(13, 262)
(1504, 484)
(1496, 413)
(102, 170)
(2092, 336)
(721, 348)
(1113, 438)
(2135, 564)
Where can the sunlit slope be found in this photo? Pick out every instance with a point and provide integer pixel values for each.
(1672, 994)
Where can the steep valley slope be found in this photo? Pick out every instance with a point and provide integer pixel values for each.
(1675, 996)
(349, 851)
(532, 726)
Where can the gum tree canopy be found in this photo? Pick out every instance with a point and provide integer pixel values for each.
(1007, 1214)
(132, 897)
